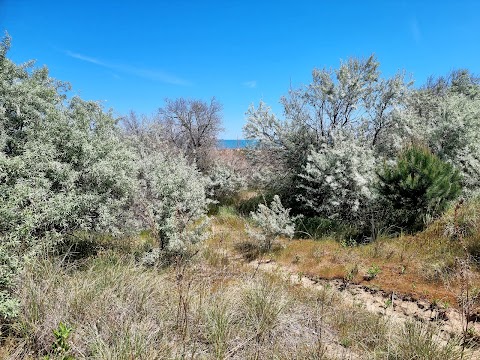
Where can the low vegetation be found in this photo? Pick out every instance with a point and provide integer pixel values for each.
(109, 306)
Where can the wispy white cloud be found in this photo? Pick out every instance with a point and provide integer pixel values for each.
(250, 84)
(156, 75)
(415, 30)
(85, 58)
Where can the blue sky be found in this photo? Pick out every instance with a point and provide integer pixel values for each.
(133, 55)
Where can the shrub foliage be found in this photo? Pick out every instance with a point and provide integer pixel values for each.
(67, 167)
(272, 221)
(418, 184)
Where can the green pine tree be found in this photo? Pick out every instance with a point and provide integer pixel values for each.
(419, 184)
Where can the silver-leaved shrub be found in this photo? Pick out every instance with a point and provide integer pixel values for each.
(225, 181)
(271, 222)
(63, 169)
(172, 200)
(445, 116)
(171, 195)
(339, 178)
(353, 98)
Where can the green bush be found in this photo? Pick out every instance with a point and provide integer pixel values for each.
(250, 205)
(314, 227)
(417, 186)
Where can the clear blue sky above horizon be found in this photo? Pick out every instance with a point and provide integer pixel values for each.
(133, 55)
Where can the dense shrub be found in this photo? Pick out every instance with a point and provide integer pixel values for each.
(66, 167)
(417, 185)
(171, 200)
(352, 99)
(171, 193)
(225, 182)
(338, 179)
(322, 155)
(445, 115)
(63, 167)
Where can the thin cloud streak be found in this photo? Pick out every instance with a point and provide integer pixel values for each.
(85, 58)
(250, 84)
(133, 70)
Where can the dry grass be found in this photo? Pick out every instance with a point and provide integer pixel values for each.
(213, 307)
(119, 310)
(423, 266)
(409, 265)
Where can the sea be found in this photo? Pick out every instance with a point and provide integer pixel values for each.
(235, 144)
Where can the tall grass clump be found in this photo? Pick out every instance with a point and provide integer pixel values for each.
(420, 341)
